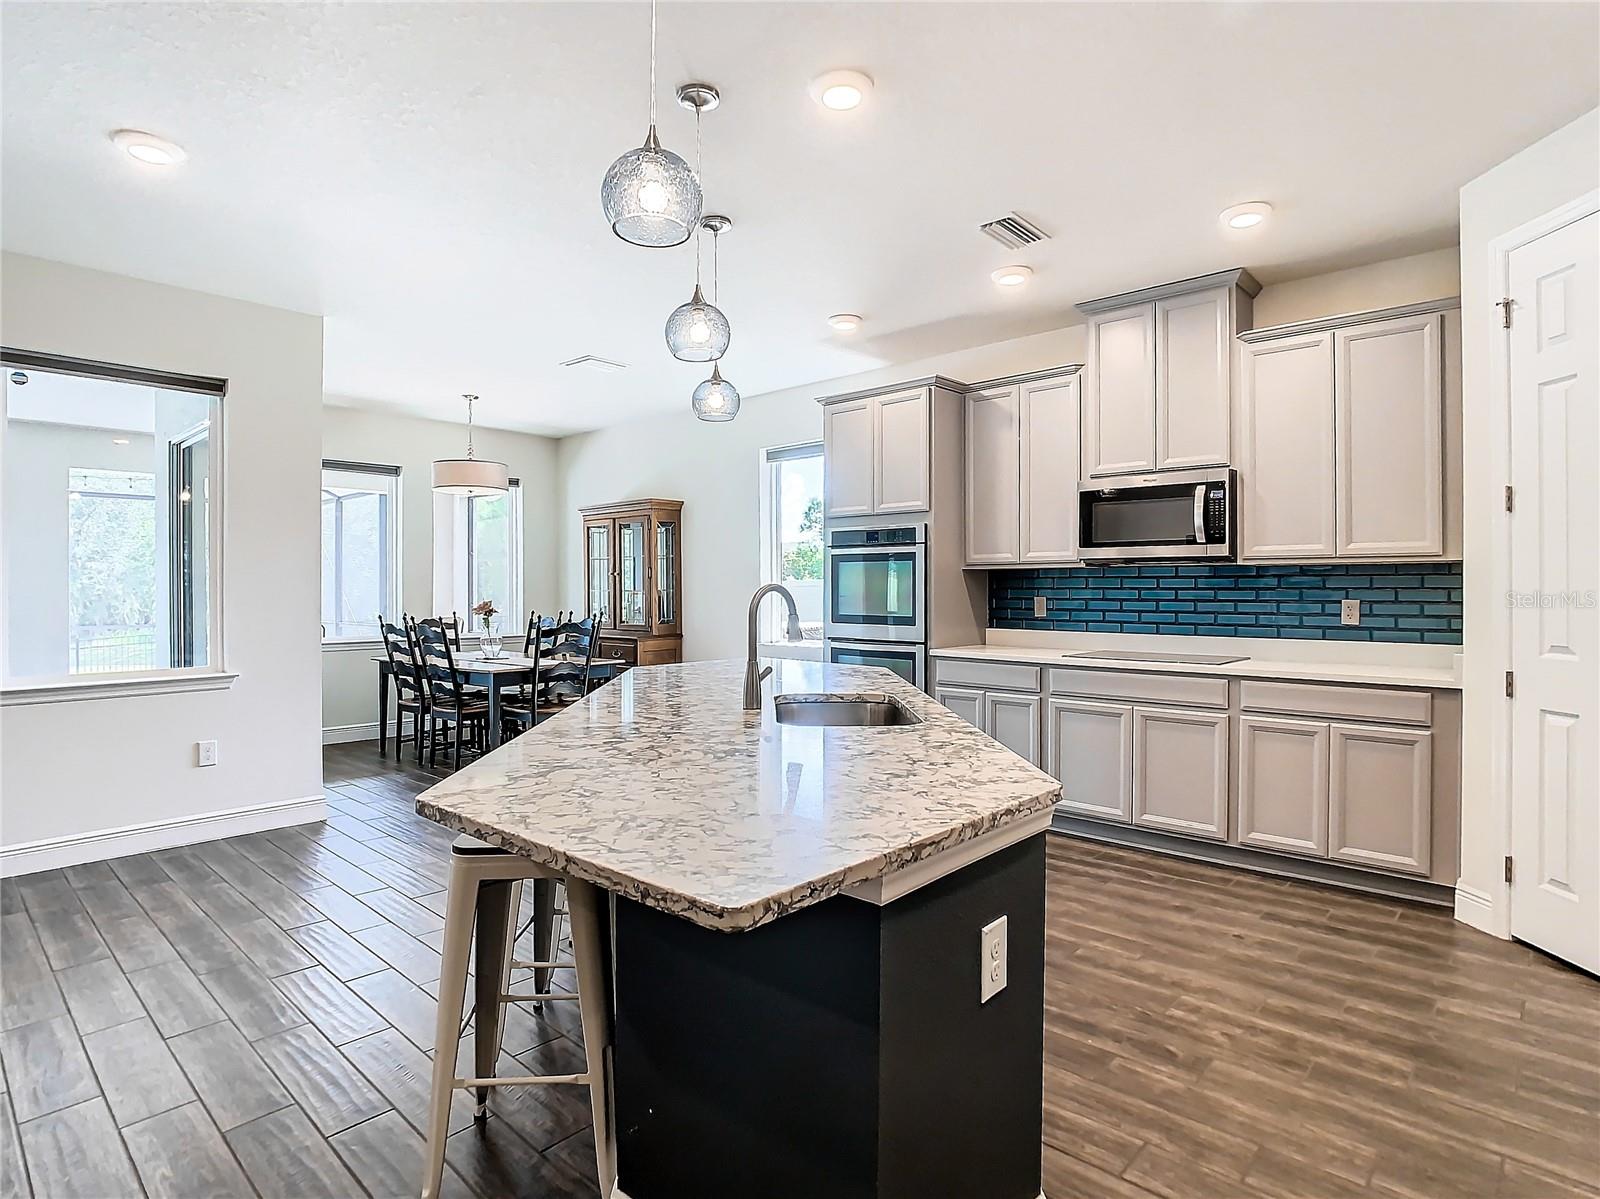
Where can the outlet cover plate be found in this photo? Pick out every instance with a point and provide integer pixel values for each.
(1040, 607)
(992, 963)
(205, 753)
(1349, 611)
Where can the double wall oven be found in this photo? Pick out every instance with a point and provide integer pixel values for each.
(877, 598)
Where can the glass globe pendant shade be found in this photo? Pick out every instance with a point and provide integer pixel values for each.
(651, 196)
(697, 331)
(716, 399)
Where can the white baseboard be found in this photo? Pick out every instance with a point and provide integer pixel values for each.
(52, 854)
(1476, 908)
(343, 734)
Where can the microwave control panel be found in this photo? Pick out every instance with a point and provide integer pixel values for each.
(1216, 513)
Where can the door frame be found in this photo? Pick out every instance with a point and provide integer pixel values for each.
(1492, 913)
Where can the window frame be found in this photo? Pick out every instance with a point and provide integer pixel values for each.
(389, 551)
(214, 675)
(468, 582)
(770, 550)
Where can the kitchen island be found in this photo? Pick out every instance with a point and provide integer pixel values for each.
(798, 951)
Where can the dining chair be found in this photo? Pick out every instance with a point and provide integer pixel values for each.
(563, 657)
(451, 705)
(535, 624)
(405, 672)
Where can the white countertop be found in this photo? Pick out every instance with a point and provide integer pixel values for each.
(1413, 666)
(660, 787)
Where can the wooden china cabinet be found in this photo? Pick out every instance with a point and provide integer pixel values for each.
(632, 577)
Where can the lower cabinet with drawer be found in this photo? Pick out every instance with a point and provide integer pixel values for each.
(1001, 698)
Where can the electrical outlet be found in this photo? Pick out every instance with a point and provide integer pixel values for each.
(1039, 607)
(205, 753)
(1349, 611)
(992, 951)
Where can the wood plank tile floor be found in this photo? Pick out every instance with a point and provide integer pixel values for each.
(254, 1016)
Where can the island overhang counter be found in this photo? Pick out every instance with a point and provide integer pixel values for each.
(796, 936)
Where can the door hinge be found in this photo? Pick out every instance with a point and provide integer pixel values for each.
(1505, 311)
(1508, 868)
(1509, 500)
(1511, 687)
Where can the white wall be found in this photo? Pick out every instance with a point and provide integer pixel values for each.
(349, 681)
(1550, 173)
(39, 459)
(72, 769)
(1435, 275)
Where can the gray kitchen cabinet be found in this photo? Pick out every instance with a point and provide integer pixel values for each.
(1286, 467)
(1180, 771)
(901, 457)
(1380, 808)
(1158, 393)
(1283, 784)
(965, 702)
(1021, 470)
(1013, 720)
(1389, 437)
(1090, 749)
(1349, 437)
(847, 457)
(994, 476)
(1119, 411)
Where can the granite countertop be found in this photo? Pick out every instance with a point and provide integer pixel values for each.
(1377, 674)
(660, 787)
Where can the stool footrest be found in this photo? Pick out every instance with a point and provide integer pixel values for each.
(523, 1080)
(516, 965)
(539, 995)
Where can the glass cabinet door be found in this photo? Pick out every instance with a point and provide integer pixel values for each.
(597, 571)
(667, 573)
(633, 565)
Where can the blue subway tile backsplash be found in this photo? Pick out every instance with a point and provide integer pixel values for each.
(1399, 601)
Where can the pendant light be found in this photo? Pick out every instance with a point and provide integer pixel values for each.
(650, 196)
(716, 399)
(469, 475)
(697, 331)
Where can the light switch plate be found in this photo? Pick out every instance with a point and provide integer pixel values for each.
(1040, 609)
(205, 753)
(992, 951)
(1349, 611)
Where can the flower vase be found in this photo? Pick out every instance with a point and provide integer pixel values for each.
(489, 643)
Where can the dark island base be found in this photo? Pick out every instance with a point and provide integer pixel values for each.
(839, 1052)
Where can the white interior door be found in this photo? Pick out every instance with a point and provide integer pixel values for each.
(1555, 576)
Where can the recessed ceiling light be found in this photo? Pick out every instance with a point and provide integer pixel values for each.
(1012, 276)
(1246, 216)
(119, 441)
(148, 148)
(841, 90)
(845, 322)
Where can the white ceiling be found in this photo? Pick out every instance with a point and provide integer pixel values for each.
(89, 403)
(427, 175)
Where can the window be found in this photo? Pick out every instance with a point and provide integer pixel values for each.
(478, 556)
(360, 549)
(791, 536)
(112, 513)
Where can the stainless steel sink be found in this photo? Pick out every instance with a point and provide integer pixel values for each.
(874, 710)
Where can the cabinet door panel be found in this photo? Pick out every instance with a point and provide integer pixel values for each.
(847, 435)
(901, 453)
(1381, 806)
(1180, 771)
(993, 476)
(1013, 720)
(1091, 752)
(965, 702)
(599, 570)
(1286, 449)
(1193, 346)
(1389, 425)
(1283, 784)
(1049, 483)
(1119, 434)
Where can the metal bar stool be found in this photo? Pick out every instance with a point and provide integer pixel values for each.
(483, 903)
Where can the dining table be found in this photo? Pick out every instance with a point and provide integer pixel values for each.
(494, 675)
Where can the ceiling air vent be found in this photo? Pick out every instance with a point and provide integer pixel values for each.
(1014, 231)
(603, 366)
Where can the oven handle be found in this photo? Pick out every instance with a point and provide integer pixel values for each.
(1199, 513)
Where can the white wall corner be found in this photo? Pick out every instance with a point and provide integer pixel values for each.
(53, 854)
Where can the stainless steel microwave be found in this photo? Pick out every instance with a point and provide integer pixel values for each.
(1177, 514)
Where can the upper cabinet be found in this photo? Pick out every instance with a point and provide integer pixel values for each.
(1349, 437)
(1021, 505)
(1158, 381)
(876, 453)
